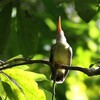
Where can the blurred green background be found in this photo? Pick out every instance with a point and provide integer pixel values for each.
(28, 29)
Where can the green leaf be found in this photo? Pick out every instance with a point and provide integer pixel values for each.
(13, 72)
(13, 81)
(26, 80)
(28, 37)
(48, 94)
(86, 9)
(1, 90)
(10, 93)
(5, 20)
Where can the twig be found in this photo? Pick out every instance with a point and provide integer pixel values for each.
(23, 61)
(53, 92)
(53, 87)
(88, 71)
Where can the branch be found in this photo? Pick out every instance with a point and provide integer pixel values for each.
(88, 71)
(21, 61)
(24, 61)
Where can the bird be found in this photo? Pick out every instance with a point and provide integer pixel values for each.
(60, 55)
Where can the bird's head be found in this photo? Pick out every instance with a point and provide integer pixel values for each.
(60, 33)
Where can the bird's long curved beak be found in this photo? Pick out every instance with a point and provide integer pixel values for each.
(59, 25)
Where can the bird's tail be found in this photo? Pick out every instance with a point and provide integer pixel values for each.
(59, 75)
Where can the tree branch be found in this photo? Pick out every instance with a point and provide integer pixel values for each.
(88, 71)
(21, 61)
(24, 61)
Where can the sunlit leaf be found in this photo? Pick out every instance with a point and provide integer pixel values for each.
(1, 89)
(13, 81)
(26, 81)
(92, 45)
(11, 90)
(94, 32)
(19, 72)
(50, 24)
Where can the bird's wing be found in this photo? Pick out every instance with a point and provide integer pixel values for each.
(70, 55)
(51, 53)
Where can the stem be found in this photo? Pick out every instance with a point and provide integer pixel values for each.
(53, 92)
(54, 85)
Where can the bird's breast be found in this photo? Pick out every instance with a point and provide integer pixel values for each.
(62, 54)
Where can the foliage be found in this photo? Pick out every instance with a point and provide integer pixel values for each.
(28, 29)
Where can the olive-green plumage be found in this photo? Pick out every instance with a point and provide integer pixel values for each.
(61, 54)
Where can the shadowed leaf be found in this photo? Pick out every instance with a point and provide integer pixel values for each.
(86, 9)
(5, 19)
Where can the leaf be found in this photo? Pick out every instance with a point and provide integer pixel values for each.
(11, 90)
(5, 20)
(13, 81)
(10, 93)
(48, 94)
(28, 37)
(26, 80)
(13, 72)
(1, 89)
(97, 63)
(86, 9)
